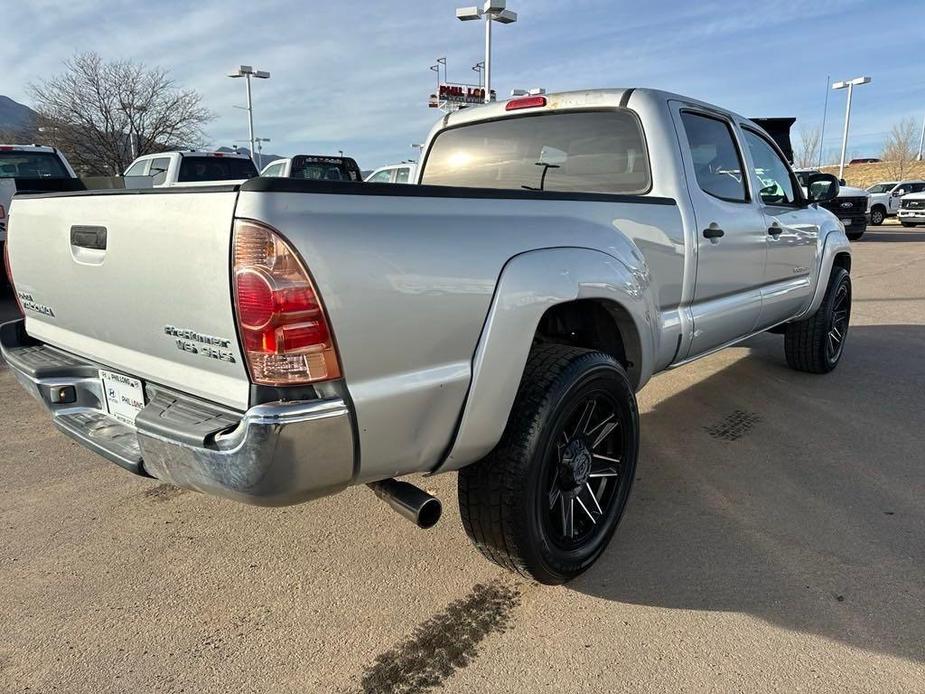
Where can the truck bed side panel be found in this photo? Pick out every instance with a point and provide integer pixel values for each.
(408, 282)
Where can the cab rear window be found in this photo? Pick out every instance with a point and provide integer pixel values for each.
(31, 165)
(196, 169)
(591, 152)
(325, 168)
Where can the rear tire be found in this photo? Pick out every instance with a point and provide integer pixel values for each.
(908, 224)
(816, 344)
(546, 501)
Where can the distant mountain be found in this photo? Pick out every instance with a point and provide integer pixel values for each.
(13, 115)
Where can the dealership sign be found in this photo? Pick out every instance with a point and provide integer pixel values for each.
(458, 94)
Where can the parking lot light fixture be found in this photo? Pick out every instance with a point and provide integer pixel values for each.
(849, 85)
(491, 11)
(248, 72)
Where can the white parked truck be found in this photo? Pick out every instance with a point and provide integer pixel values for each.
(885, 197)
(190, 168)
(30, 168)
(314, 167)
(283, 339)
(394, 173)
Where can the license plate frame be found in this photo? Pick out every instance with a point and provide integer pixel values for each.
(123, 396)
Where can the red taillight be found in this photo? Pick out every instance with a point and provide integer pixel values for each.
(2, 212)
(6, 148)
(526, 102)
(284, 329)
(9, 272)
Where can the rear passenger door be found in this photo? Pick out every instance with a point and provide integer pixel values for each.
(731, 231)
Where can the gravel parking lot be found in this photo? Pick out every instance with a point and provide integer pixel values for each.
(775, 540)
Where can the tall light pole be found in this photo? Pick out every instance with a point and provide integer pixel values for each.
(247, 72)
(491, 11)
(850, 84)
(825, 112)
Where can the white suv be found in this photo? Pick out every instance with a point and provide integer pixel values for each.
(885, 197)
(189, 168)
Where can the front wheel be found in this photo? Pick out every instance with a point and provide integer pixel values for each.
(877, 216)
(855, 235)
(908, 224)
(816, 344)
(546, 501)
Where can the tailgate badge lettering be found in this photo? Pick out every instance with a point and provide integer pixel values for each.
(196, 342)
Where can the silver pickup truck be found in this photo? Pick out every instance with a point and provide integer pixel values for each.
(283, 339)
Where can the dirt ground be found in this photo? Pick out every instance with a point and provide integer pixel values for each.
(774, 541)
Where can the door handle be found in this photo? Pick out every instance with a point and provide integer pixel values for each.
(93, 238)
(775, 230)
(713, 233)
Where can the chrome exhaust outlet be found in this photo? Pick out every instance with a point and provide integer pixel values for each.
(409, 501)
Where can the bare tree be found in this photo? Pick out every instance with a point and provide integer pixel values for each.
(101, 114)
(901, 148)
(807, 152)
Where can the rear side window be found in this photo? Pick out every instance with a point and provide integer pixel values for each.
(401, 175)
(590, 152)
(716, 158)
(31, 165)
(195, 169)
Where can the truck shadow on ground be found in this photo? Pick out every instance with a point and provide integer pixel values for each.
(894, 235)
(812, 519)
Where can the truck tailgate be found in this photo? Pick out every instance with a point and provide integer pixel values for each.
(139, 282)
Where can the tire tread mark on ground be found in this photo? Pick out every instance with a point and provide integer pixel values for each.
(733, 426)
(443, 643)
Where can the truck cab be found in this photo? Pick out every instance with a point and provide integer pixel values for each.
(189, 168)
(885, 197)
(314, 167)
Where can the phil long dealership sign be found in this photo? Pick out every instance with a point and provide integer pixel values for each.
(458, 94)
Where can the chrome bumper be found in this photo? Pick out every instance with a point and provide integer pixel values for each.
(273, 454)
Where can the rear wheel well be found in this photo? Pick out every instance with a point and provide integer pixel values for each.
(878, 206)
(597, 324)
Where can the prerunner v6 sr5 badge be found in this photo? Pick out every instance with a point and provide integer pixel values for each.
(198, 343)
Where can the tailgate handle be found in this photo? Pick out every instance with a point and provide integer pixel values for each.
(89, 237)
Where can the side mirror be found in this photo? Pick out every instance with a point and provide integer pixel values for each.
(841, 182)
(821, 187)
(899, 193)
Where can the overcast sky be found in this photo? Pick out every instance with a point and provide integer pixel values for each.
(353, 74)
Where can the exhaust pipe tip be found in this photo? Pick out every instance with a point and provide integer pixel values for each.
(409, 501)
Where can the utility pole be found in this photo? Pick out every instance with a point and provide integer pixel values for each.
(246, 71)
(850, 85)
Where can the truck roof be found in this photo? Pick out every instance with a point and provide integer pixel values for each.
(587, 98)
(193, 153)
(27, 148)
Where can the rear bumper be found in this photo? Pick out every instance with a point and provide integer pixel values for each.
(274, 454)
